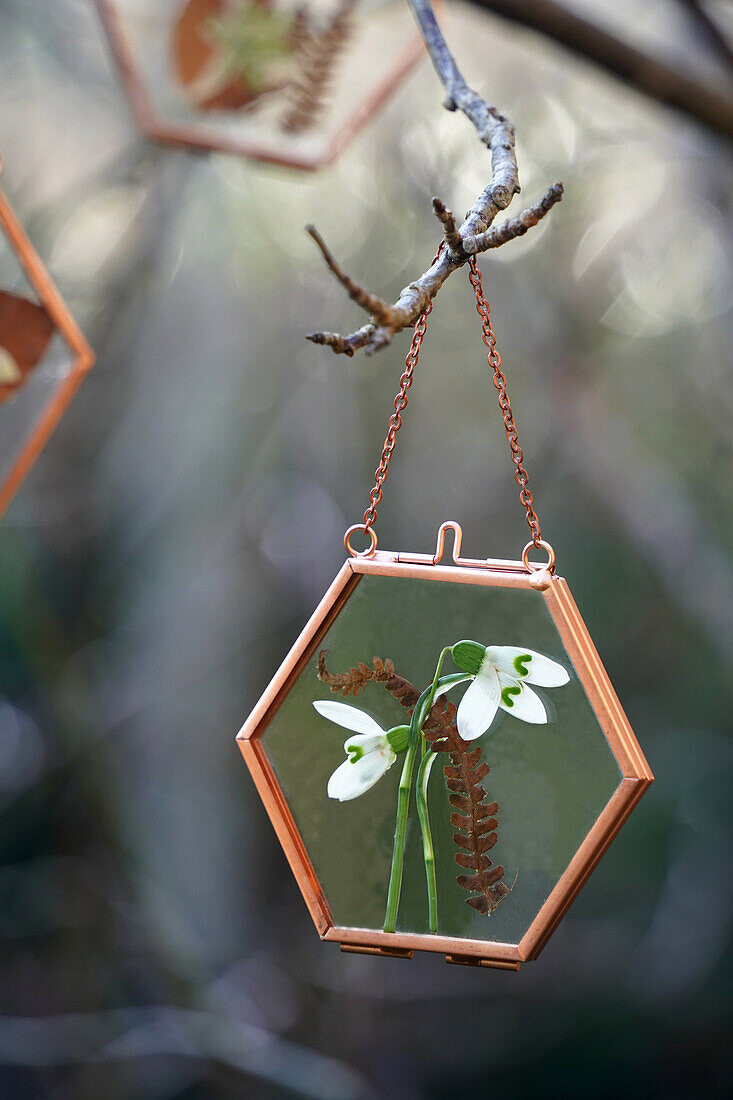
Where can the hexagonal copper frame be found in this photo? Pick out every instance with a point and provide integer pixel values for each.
(82, 355)
(189, 135)
(636, 774)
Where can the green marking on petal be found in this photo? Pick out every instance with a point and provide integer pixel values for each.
(507, 692)
(521, 661)
(468, 656)
(355, 753)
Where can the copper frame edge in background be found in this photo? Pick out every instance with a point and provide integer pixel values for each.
(193, 135)
(83, 357)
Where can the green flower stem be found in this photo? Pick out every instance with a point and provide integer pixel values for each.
(419, 714)
(426, 700)
(398, 851)
(421, 794)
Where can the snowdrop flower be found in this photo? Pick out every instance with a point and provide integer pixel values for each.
(371, 751)
(500, 675)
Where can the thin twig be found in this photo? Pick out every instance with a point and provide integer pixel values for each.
(450, 230)
(363, 298)
(514, 227)
(475, 234)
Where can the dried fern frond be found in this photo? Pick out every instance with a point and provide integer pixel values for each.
(318, 54)
(356, 679)
(476, 820)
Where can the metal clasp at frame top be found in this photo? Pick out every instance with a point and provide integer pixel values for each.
(540, 572)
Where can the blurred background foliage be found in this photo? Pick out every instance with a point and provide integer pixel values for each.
(188, 515)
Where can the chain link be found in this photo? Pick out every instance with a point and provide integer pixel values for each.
(400, 404)
(520, 474)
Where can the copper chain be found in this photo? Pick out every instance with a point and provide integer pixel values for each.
(395, 420)
(400, 404)
(520, 474)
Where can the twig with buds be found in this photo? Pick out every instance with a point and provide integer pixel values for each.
(476, 233)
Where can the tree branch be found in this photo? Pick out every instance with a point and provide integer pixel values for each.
(476, 234)
(646, 74)
(709, 30)
(493, 128)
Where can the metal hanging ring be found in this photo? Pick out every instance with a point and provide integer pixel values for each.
(534, 566)
(372, 540)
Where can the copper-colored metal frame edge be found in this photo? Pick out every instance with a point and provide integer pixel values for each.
(419, 941)
(583, 863)
(190, 136)
(84, 357)
(122, 56)
(260, 767)
(636, 774)
(388, 565)
(287, 833)
(595, 681)
(327, 609)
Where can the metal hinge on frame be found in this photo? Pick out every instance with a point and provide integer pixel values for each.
(408, 953)
(388, 952)
(472, 960)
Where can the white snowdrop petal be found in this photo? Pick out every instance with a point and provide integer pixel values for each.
(351, 780)
(367, 742)
(478, 706)
(345, 782)
(521, 702)
(527, 664)
(373, 766)
(351, 718)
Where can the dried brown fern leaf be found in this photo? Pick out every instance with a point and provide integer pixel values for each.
(301, 37)
(475, 820)
(403, 691)
(356, 679)
(318, 55)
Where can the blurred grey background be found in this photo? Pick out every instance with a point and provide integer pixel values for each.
(188, 515)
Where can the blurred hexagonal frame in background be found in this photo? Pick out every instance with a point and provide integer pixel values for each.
(615, 736)
(384, 45)
(62, 381)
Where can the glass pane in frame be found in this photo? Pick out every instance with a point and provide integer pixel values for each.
(552, 781)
